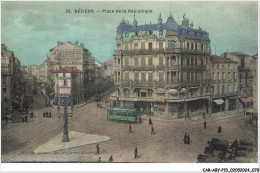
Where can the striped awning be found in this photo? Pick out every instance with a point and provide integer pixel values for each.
(219, 101)
(246, 99)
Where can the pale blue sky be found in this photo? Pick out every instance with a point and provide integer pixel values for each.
(31, 29)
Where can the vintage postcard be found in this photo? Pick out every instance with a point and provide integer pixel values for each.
(130, 82)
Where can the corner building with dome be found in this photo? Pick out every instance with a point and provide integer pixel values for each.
(163, 69)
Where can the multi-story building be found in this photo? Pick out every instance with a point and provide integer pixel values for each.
(12, 84)
(68, 80)
(255, 82)
(35, 71)
(245, 69)
(6, 76)
(78, 57)
(163, 69)
(224, 91)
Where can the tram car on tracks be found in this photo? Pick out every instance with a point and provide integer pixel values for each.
(121, 114)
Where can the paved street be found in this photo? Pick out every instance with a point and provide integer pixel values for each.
(166, 145)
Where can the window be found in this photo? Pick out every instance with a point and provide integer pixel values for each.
(201, 61)
(223, 89)
(170, 44)
(223, 75)
(143, 76)
(126, 46)
(235, 87)
(126, 61)
(191, 62)
(195, 61)
(126, 76)
(188, 61)
(64, 74)
(150, 45)
(218, 89)
(150, 76)
(4, 90)
(142, 46)
(228, 66)
(223, 67)
(143, 60)
(4, 80)
(196, 46)
(201, 46)
(234, 75)
(229, 75)
(150, 61)
(160, 76)
(64, 82)
(160, 45)
(188, 45)
(136, 76)
(135, 46)
(143, 94)
(191, 46)
(217, 66)
(135, 61)
(150, 32)
(160, 61)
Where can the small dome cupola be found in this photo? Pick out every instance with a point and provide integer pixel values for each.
(135, 23)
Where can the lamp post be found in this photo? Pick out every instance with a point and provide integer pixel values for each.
(64, 100)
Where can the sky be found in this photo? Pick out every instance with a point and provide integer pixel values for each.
(31, 29)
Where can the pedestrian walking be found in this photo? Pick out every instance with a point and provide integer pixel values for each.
(152, 132)
(25, 118)
(205, 124)
(150, 121)
(219, 129)
(204, 115)
(140, 120)
(97, 149)
(136, 153)
(50, 114)
(188, 139)
(130, 128)
(46, 114)
(185, 138)
(43, 114)
(110, 159)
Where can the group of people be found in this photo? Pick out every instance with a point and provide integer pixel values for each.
(46, 115)
(150, 123)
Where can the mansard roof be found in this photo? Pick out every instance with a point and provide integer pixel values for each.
(170, 25)
(219, 59)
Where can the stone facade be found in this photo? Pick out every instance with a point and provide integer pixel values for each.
(163, 69)
(224, 89)
(12, 80)
(78, 57)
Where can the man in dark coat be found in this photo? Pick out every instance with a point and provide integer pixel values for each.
(130, 128)
(152, 131)
(46, 114)
(110, 159)
(219, 129)
(25, 118)
(136, 153)
(50, 114)
(150, 121)
(188, 139)
(97, 148)
(185, 138)
(205, 125)
(140, 120)
(43, 114)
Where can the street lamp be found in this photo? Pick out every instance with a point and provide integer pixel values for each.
(64, 100)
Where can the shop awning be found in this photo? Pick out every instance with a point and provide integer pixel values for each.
(246, 99)
(183, 90)
(219, 101)
(113, 98)
(173, 91)
(160, 90)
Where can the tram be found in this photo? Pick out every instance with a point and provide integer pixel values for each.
(122, 114)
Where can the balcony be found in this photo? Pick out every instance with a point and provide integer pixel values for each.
(196, 82)
(197, 67)
(144, 83)
(157, 51)
(225, 94)
(148, 67)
